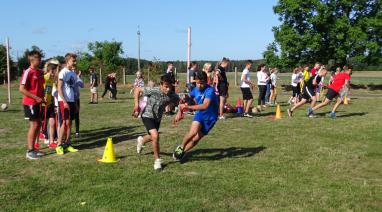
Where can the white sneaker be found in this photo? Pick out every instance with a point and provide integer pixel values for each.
(46, 141)
(139, 144)
(158, 164)
(221, 117)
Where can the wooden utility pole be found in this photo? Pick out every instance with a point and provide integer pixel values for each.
(8, 71)
(188, 52)
(139, 49)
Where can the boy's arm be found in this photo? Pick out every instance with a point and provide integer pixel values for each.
(79, 82)
(206, 103)
(29, 94)
(137, 92)
(61, 93)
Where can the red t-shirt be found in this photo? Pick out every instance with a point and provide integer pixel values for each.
(313, 71)
(339, 81)
(34, 83)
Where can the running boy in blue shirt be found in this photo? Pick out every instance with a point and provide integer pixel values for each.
(207, 108)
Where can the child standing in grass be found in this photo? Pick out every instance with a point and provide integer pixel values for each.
(67, 79)
(207, 68)
(205, 117)
(262, 79)
(32, 88)
(79, 84)
(295, 83)
(245, 86)
(340, 80)
(93, 86)
(222, 85)
(49, 116)
(157, 99)
(273, 96)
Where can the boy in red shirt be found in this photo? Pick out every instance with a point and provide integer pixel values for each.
(32, 87)
(339, 81)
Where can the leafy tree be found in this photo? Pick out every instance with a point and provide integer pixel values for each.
(107, 55)
(334, 31)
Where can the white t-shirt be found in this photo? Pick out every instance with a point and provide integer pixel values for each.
(295, 79)
(273, 79)
(69, 79)
(55, 95)
(245, 75)
(262, 78)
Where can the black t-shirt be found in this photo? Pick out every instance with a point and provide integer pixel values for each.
(310, 85)
(191, 73)
(93, 78)
(172, 76)
(223, 78)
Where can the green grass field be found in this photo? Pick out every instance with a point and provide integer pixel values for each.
(257, 164)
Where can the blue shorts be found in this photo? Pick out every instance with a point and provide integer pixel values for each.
(206, 125)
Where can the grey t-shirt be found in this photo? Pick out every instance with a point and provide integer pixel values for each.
(156, 102)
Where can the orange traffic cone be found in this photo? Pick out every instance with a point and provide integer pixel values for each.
(239, 108)
(278, 112)
(108, 154)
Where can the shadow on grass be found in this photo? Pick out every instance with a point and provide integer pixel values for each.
(352, 114)
(323, 114)
(97, 138)
(221, 153)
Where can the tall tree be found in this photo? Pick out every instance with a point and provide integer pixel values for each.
(107, 54)
(328, 31)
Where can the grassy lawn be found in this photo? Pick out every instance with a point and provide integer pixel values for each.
(243, 164)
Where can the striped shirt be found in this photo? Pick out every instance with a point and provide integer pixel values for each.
(157, 101)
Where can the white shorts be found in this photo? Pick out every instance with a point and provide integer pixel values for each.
(94, 89)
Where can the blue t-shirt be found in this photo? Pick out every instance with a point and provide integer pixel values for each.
(211, 113)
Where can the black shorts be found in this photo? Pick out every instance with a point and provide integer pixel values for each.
(247, 94)
(223, 89)
(49, 111)
(67, 113)
(33, 112)
(331, 94)
(308, 93)
(151, 124)
(273, 87)
(295, 90)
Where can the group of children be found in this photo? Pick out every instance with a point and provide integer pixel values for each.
(307, 87)
(51, 102)
(53, 96)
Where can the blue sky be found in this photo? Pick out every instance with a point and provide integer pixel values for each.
(238, 29)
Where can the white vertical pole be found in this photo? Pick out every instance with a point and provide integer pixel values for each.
(176, 75)
(188, 51)
(124, 75)
(236, 76)
(9, 72)
(139, 49)
(100, 76)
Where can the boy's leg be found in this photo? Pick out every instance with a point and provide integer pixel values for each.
(322, 104)
(62, 132)
(221, 105)
(31, 136)
(245, 102)
(154, 135)
(51, 130)
(313, 102)
(338, 103)
(191, 135)
(299, 104)
(249, 103)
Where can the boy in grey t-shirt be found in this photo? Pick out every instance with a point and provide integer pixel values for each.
(157, 99)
